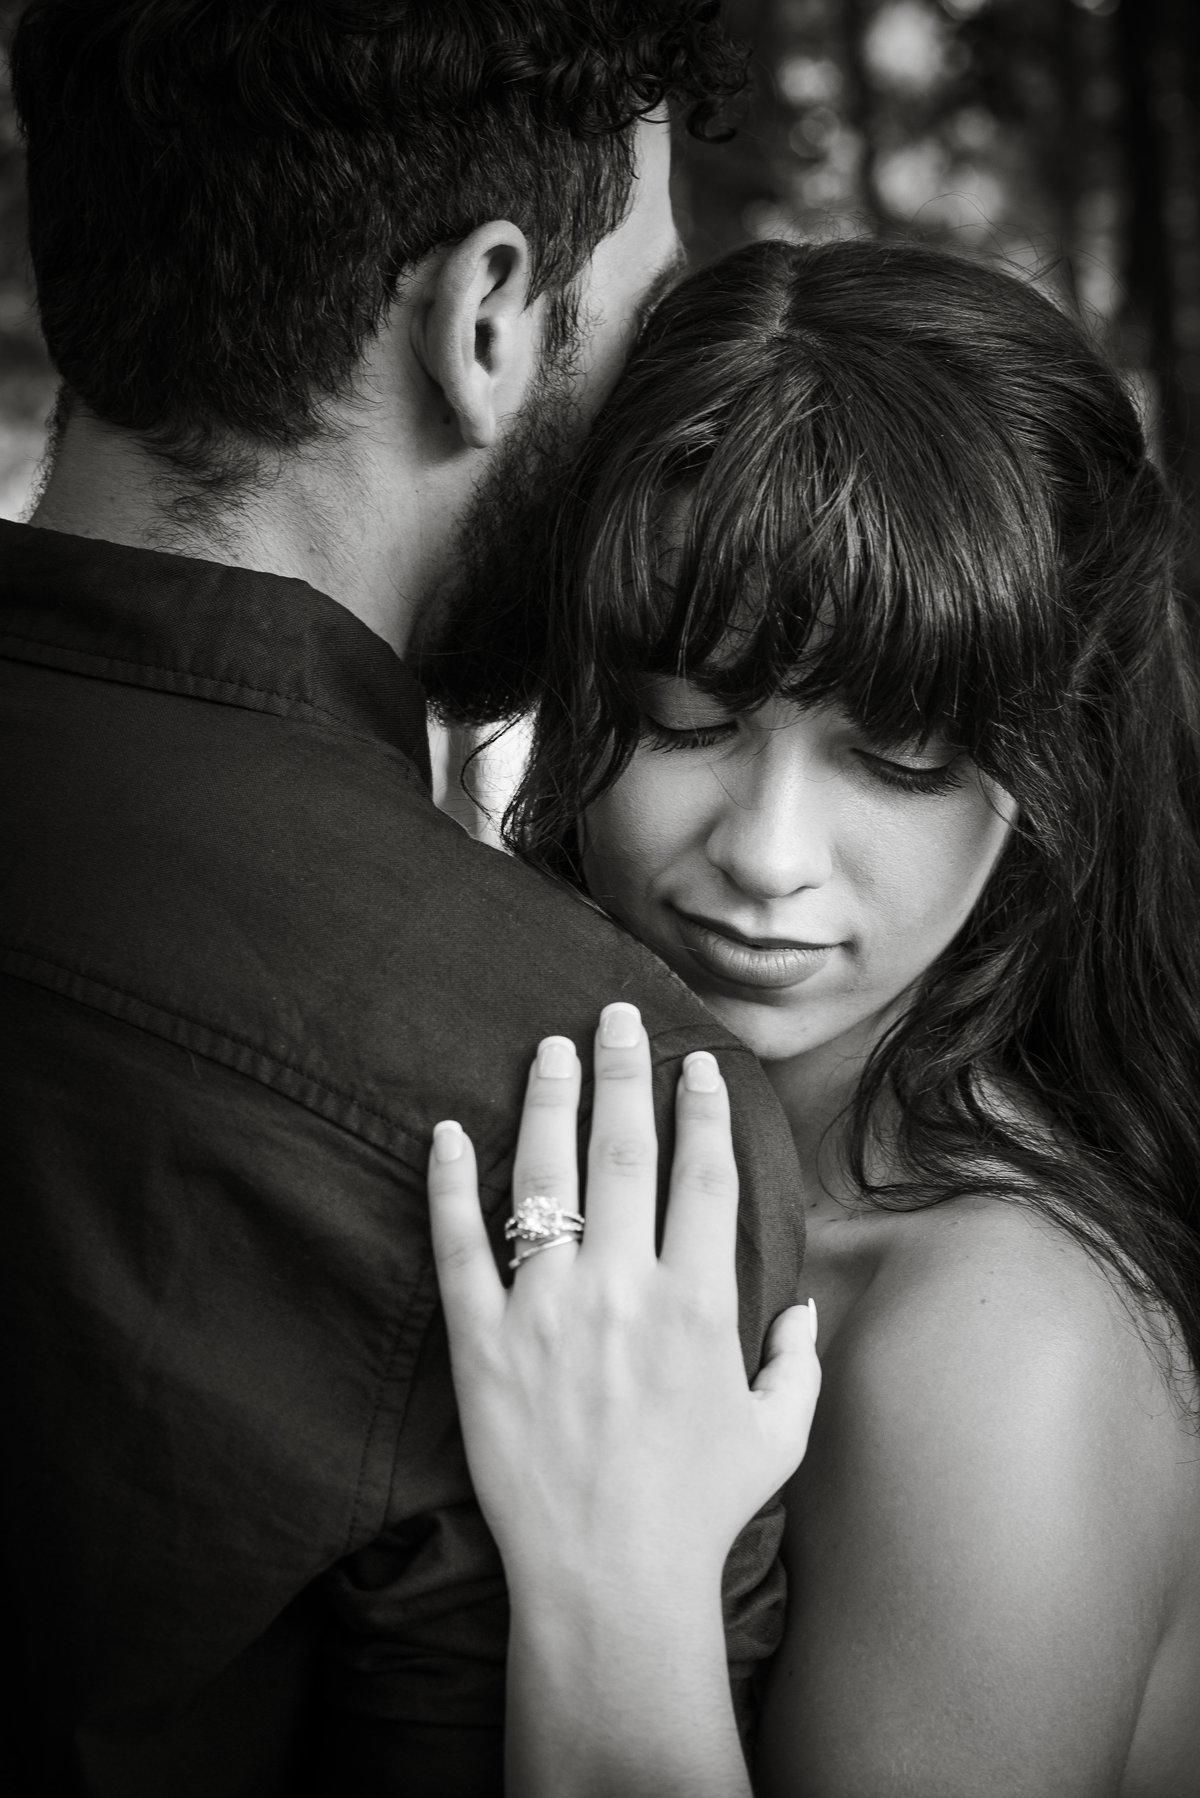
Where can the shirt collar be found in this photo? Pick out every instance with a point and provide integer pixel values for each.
(231, 635)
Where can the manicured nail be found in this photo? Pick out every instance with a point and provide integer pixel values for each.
(447, 1141)
(701, 1073)
(620, 1025)
(812, 1318)
(556, 1058)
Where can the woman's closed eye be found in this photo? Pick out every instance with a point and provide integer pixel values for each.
(920, 777)
(661, 735)
(678, 715)
(897, 771)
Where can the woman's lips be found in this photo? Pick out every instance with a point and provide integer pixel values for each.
(750, 961)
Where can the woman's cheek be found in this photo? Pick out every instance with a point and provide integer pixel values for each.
(642, 820)
(942, 863)
(620, 841)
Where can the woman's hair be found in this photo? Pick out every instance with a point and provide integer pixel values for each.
(888, 478)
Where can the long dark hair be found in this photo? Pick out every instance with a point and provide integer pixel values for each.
(913, 488)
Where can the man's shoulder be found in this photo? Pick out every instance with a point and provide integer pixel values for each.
(481, 956)
(506, 914)
(405, 917)
(283, 895)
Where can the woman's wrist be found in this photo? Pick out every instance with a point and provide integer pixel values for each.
(609, 1583)
(621, 1691)
(594, 1602)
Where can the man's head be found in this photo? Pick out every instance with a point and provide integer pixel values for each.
(479, 641)
(227, 196)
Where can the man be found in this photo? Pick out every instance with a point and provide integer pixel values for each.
(333, 286)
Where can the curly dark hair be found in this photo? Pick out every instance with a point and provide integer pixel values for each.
(224, 195)
(915, 491)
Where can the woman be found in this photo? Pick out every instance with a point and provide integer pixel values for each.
(871, 710)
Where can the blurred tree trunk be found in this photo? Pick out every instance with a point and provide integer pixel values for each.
(1157, 50)
(1186, 210)
(1149, 278)
(1068, 131)
(861, 112)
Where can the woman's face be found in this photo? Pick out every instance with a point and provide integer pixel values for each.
(798, 876)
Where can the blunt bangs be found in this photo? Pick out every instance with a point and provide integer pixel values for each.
(857, 533)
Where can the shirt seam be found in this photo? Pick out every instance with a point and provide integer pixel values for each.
(422, 1295)
(75, 971)
(221, 684)
(176, 1015)
(128, 663)
(388, 1381)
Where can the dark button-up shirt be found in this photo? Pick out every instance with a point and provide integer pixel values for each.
(245, 964)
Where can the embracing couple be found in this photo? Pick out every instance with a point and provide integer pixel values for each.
(840, 591)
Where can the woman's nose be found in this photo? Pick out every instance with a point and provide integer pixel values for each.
(773, 832)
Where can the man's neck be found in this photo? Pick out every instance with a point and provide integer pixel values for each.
(316, 519)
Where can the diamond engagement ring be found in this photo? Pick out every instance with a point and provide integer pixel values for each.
(539, 1223)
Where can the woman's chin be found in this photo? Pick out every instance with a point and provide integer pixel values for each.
(768, 1031)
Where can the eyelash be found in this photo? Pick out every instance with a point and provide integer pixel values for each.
(930, 781)
(660, 736)
(922, 781)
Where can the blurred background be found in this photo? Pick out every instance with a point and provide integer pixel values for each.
(1059, 137)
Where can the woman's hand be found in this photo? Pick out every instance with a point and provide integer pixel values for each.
(611, 1433)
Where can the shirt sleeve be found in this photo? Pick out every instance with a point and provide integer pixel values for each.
(218, 1317)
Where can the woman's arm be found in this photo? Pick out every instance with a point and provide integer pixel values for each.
(980, 1542)
(614, 1442)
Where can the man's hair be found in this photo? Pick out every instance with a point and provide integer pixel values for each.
(225, 195)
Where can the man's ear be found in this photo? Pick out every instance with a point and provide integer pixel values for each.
(475, 336)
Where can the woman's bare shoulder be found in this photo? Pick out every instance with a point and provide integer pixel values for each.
(985, 1312)
(1001, 1496)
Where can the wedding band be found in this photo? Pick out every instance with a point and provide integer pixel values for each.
(536, 1248)
(539, 1219)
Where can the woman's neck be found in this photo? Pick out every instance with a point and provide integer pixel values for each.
(814, 1101)
(816, 1090)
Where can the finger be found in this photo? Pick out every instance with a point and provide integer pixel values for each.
(789, 1384)
(471, 1289)
(701, 1229)
(622, 1165)
(547, 1162)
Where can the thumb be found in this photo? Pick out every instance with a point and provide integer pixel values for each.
(789, 1381)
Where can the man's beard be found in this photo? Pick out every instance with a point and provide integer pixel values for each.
(479, 644)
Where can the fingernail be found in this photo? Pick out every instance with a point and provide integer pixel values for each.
(447, 1141)
(556, 1058)
(812, 1318)
(620, 1025)
(701, 1073)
